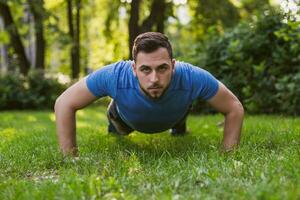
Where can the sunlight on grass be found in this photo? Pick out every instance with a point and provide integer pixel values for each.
(82, 124)
(91, 115)
(52, 117)
(8, 133)
(150, 166)
(80, 113)
(6, 118)
(31, 118)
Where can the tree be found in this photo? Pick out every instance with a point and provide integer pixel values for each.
(223, 13)
(154, 22)
(133, 25)
(37, 10)
(74, 33)
(15, 37)
(3, 52)
(214, 13)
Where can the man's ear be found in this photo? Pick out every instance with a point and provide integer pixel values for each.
(133, 68)
(173, 64)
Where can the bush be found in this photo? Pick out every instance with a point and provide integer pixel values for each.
(260, 63)
(32, 92)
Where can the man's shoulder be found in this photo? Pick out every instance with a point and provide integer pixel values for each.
(123, 64)
(123, 73)
(185, 66)
(107, 79)
(189, 71)
(183, 70)
(120, 66)
(114, 70)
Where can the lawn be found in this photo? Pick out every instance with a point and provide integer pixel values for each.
(157, 166)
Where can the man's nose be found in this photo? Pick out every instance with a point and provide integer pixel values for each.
(153, 77)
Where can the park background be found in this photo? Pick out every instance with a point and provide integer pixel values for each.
(252, 46)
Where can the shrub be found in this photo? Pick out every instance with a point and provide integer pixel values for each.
(32, 92)
(260, 63)
(11, 91)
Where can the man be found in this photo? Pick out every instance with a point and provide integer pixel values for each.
(150, 94)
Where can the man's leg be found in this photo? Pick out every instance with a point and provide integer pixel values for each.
(116, 124)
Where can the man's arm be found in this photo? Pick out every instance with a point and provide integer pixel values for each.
(228, 104)
(74, 98)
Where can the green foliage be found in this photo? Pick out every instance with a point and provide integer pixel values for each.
(4, 37)
(31, 92)
(260, 63)
(214, 12)
(288, 91)
(11, 91)
(156, 166)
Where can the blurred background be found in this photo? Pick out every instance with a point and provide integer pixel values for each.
(252, 46)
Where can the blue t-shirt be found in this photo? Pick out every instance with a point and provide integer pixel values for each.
(143, 113)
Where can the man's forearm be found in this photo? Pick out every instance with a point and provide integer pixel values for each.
(232, 129)
(66, 129)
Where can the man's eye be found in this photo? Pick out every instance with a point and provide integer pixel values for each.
(162, 69)
(146, 70)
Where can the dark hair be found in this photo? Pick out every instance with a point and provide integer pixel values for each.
(149, 42)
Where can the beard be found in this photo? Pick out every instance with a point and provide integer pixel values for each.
(154, 94)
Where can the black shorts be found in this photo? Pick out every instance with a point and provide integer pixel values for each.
(123, 129)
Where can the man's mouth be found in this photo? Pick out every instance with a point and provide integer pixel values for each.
(154, 88)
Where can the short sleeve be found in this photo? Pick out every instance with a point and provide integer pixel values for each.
(204, 85)
(102, 82)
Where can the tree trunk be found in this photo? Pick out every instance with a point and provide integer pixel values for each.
(3, 52)
(156, 16)
(4, 59)
(161, 17)
(30, 47)
(71, 33)
(155, 19)
(133, 25)
(76, 69)
(15, 38)
(74, 32)
(37, 10)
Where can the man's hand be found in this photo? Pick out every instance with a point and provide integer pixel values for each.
(228, 104)
(74, 98)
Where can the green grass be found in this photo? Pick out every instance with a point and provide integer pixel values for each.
(158, 166)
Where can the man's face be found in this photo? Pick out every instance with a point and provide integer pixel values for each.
(154, 71)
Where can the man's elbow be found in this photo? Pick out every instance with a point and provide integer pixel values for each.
(239, 109)
(57, 104)
(236, 109)
(62, 103)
